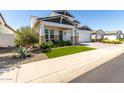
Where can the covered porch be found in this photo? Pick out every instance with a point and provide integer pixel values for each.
(58, 32)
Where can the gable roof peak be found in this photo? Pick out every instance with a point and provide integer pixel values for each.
(64, 12)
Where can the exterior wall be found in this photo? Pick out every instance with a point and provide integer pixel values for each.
(110, 37)
(67, 35)
(99, 36)
(84, 36)
(5, 30)
(6, 40)
(33, 20)
(122, 36)
(6, 35)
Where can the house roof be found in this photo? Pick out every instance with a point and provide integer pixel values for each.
(94, 32)
(5, 24)
(58, 19)
(64, 12)
(112, 32)
(76, 21)
(62, 19)
(85, 27)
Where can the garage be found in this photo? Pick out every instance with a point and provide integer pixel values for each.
(84, 36)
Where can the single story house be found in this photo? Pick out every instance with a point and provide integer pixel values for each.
(6, 34)
(111, 35)
(98, 35)
(61, 25)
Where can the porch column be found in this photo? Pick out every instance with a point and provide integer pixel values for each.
(56, 35)
(42, 34)
(73, 36)
(77, 38)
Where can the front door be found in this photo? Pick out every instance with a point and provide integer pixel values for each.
(60, 35)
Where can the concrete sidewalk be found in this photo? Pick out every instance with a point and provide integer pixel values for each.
(62, 69)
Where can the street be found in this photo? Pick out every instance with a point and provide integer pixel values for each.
(110, 72)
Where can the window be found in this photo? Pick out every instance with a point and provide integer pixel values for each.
(46, 34)
(51, 34)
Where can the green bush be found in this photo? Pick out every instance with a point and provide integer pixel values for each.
(117, 41)
(62, 43)
(46, 45)
(23, 52)
(93, 40)
(68, 43)
(26, 37)
(46, 50)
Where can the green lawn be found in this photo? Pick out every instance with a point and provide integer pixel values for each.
(57, 52)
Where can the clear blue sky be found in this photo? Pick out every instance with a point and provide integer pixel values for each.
(106, 20)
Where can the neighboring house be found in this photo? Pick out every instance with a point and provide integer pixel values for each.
(112, 35)
(61, 25)
(98, 35)
(6, 34)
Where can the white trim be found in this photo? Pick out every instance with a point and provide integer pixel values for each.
(56, 24)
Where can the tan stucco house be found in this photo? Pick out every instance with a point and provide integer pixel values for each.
(6, 34)
(60, 25)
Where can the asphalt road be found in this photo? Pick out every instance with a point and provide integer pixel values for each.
(110, 72)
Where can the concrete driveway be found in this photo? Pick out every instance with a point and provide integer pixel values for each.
(97, 45)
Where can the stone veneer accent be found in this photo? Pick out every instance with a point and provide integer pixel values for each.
(77, 39)
(73, 39)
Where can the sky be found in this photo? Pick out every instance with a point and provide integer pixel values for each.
(107, 20)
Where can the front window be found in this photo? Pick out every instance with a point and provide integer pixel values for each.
(46, 34)
(49, 34)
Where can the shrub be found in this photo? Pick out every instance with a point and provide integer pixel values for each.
(68, 43)
(62, 43)
(26, 37)
(46, 50)
(117, 41)
(23, 52)
(46, 45)
(93, 40)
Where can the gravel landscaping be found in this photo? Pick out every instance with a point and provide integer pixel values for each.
(12, 60)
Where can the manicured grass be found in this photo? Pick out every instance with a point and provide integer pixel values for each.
(57, 52)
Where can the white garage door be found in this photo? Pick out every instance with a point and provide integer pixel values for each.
(84, 36)
(110, 37)
(6, 40)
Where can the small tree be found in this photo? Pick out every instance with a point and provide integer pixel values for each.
(26, 37)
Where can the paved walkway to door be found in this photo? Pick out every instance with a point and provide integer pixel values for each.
(61, 69)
